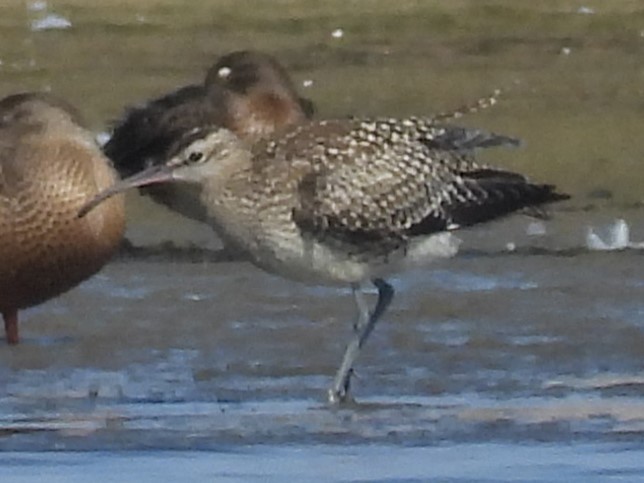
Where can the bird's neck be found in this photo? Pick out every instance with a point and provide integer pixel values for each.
(225, 195)
(228, 175)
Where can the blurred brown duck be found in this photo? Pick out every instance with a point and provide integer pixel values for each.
(50, 165)
(246, 92)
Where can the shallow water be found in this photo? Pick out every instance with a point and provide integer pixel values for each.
(312, 463)
(524, 364)
(520, 359)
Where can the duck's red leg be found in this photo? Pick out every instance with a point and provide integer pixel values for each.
(11, 326)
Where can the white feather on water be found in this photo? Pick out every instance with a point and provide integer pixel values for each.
(618, 238)
(50, 22)
(536, 228)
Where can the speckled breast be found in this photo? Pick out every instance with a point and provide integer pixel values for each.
(45, 249)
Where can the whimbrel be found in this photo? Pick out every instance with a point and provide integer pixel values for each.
(346, 201)
(247, 92)
(50, 166)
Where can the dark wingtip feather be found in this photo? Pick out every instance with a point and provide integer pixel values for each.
(494, 194)
(485, 195)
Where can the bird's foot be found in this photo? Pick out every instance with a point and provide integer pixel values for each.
(340, 398)
(339, 393)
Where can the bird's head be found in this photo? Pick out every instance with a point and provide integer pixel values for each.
(201, 154)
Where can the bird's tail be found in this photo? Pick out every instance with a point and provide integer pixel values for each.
(472, 108)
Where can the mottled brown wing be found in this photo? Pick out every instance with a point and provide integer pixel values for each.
(385, 181)
(374, 182)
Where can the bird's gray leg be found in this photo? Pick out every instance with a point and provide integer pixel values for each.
(363, 308)
(363, 328)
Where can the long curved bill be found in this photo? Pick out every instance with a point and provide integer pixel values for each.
(151, 175)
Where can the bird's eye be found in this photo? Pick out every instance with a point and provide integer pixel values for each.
(195, 156)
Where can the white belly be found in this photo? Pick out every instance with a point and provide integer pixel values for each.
(310, 261)
(275, 243)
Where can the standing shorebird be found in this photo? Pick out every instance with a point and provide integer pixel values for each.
(247, 92)
(346, 201)
(50, 166)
